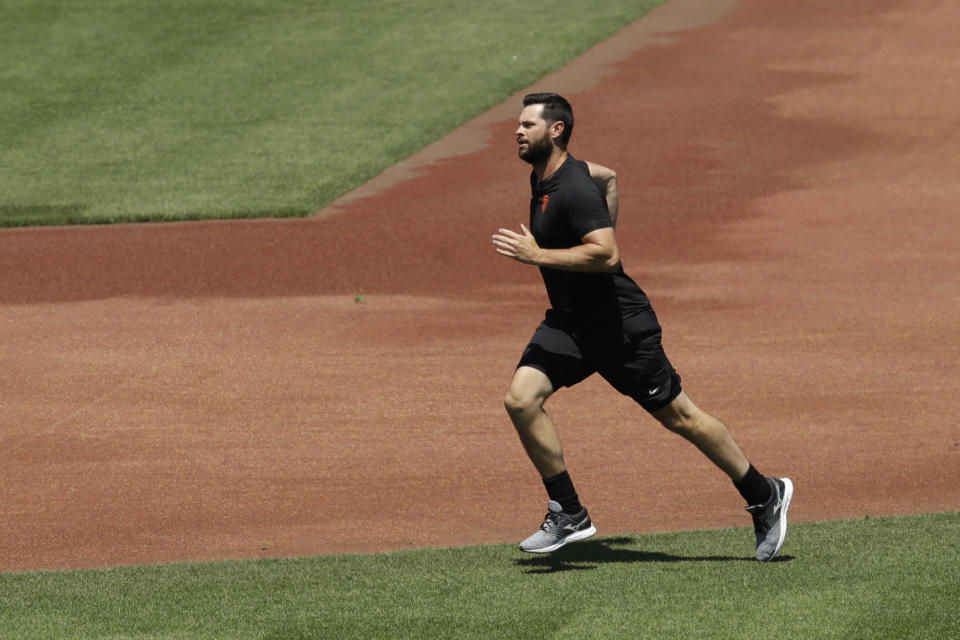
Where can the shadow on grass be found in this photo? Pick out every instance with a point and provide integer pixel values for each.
(17, 215)
(587, 555)
(38, 215)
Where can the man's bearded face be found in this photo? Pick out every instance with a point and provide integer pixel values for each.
(537, 149)
(533, 135)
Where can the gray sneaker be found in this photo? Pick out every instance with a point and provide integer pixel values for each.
(770, 519)
(558, 529)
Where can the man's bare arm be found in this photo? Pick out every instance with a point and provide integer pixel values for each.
(606, 179)
(598, 252)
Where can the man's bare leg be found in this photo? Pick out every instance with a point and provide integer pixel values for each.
(567, 520)
(524, 402)
(769, 498)
(706, 432)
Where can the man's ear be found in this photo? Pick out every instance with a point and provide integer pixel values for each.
(556, 129)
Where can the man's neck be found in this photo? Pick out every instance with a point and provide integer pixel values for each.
(552, 163)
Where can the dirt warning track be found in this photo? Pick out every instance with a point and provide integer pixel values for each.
(293, 387)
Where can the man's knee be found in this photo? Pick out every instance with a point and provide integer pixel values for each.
(686, 426)
(527, 393)
(520, 403)
(681, 416)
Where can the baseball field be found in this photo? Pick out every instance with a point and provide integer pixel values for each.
(290, 425)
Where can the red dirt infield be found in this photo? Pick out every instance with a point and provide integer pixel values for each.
(789, 201)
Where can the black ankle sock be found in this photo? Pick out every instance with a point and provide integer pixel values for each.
(560, 489)
(754, 487)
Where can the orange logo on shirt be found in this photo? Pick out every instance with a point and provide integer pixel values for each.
(546, 199)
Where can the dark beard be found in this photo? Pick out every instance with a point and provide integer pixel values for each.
(537, 151)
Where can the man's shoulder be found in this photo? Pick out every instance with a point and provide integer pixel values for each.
(576, 169)
(576, 180)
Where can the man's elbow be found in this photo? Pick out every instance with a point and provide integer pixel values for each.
(610, 176)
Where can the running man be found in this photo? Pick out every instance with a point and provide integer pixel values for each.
(600, 321)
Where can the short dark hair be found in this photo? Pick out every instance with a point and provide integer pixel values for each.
(555, 109)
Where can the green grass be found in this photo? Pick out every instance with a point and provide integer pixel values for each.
(870, 578)
(122, 110)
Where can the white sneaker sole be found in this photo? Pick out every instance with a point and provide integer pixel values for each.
(573, 537)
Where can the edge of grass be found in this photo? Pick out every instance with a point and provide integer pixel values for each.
(869, 577)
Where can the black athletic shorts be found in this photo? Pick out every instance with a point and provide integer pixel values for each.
(634, 363)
